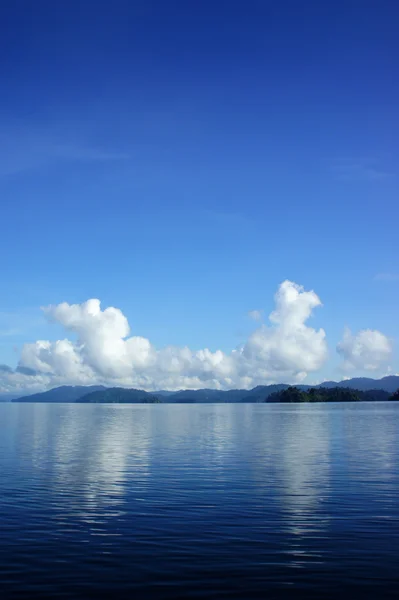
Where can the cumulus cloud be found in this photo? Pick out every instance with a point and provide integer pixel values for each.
(289, 348)
(105, 351)
(367, 350)
(26, 371)
(18, 382)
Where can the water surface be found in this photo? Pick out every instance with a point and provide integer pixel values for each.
(199, 501)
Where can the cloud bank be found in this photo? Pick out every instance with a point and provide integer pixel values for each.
(106, 352)
(287, 350)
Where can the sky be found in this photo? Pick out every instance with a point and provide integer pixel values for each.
(198, 194)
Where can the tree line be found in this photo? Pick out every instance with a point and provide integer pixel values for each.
(294, 394)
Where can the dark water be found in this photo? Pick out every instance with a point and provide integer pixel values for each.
(199, 501)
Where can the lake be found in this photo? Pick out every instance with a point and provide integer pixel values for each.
(199, 501)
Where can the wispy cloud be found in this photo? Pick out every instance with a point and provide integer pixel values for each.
(22, 151)
(13, 324)
(387, 277)
(349, 169)
(255, 315)
(83, 153)
(227, 219)
(11, 332)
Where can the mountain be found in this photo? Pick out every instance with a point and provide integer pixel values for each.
(328, 384)
(9, 397)
(261, 392)
(389, 384)
(257, 394)
(119, 396)
(206, 396)
(65, 393)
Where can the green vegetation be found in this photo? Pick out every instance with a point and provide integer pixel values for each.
(337, 394)
(329, 391)
(119, 396)
(261, 392)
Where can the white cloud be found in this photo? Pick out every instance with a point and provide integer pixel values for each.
(367, 350)
(289, 348)
(255, 315)
(286, 350)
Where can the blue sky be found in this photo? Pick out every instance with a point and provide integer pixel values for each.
(180, 160)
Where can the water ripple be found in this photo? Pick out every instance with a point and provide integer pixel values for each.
(191, 501)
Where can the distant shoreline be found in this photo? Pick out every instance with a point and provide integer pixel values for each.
(352, 390)
(388, 401)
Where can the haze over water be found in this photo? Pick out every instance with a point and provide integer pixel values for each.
(191, 501)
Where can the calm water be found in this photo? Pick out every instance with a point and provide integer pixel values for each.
(199, 501)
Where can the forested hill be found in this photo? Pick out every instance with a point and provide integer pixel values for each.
(390, 383)
(289, 394)
(119, 396)
(372, 388)
(337, 394)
